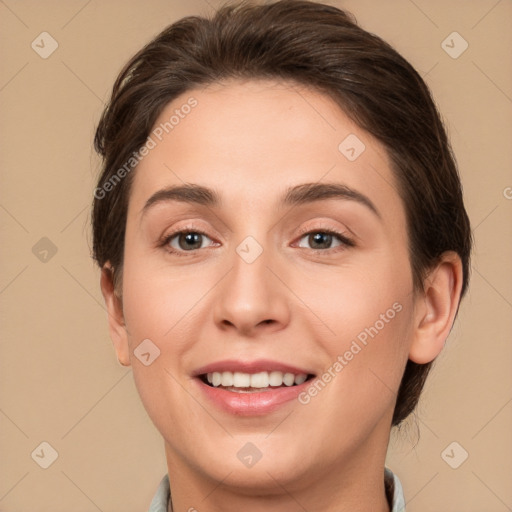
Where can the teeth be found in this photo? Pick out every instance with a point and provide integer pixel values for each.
(254, 380)
(259, 380)
(289, 379)
(227, 379)
(216, 378)
(299, 379)
(275, 378)
(240, 380)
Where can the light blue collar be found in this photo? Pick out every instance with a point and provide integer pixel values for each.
(398, 503)
(161, 499)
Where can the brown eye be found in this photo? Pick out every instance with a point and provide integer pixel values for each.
(186, 241)
(190, 241)
(324, 240)
(320, 240)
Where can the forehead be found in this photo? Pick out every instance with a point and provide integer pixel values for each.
(250, 140)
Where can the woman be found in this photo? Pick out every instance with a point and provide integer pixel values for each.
(284, 246)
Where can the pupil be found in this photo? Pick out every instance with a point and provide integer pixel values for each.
(191, 240)
(317, 239)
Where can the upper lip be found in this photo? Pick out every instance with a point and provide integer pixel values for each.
(258, 365)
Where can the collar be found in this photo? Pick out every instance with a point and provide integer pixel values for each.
(162, 497)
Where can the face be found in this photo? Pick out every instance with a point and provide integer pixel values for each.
(293, 264)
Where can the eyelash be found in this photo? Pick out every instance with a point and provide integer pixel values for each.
(345, 241)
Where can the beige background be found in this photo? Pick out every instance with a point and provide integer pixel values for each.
(60, 381)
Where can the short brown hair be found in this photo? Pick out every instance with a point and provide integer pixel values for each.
(311, 44)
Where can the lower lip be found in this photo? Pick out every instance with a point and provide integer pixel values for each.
(252, 403)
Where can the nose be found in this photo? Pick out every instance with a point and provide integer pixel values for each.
(252, 298)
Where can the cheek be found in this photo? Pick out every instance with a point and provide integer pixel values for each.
(375, 352)
(157, 300)
(369, 313)
(158, 309)
(358, 301)
(358, 387)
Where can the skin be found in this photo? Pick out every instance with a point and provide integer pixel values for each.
(296, 303)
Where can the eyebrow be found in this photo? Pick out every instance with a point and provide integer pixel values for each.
(294, 196)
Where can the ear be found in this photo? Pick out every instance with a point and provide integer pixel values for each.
(117, 326)
(436, 308)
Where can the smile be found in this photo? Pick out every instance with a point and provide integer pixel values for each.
(240, 382)
(251, 388)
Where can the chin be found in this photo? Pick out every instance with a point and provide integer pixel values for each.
(263, 478)
(252, 464)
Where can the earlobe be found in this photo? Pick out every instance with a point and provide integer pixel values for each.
(436, 309)
(116, 323)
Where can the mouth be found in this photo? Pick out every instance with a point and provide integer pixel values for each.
(263, 381)
(251, 388)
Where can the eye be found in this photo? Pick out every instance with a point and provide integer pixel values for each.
(186, 240)
(322, 239)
